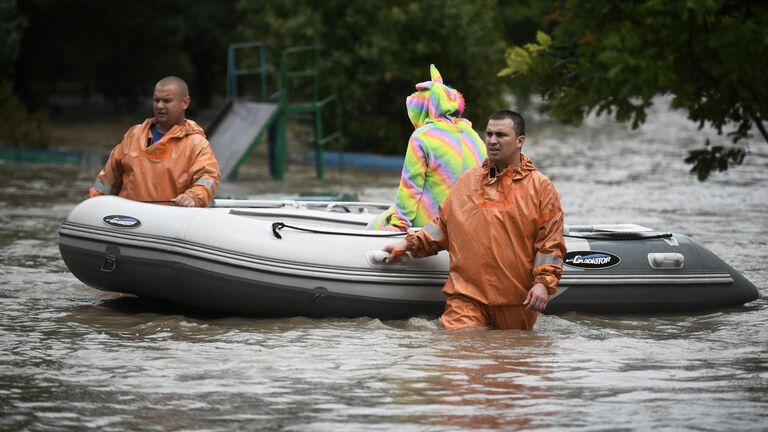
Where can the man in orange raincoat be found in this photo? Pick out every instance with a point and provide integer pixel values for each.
(502, 225)
(165, 159)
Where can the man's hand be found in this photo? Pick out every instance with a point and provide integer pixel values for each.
(537, 298)
(184, 200)
(395, 250)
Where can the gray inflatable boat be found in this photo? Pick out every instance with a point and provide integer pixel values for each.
(290, 258)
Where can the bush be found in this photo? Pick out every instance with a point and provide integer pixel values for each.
(18, 128)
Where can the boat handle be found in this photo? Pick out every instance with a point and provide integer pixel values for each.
(110, 264)
(379, 257)
(666, 260)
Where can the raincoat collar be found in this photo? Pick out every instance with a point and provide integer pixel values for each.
(177, 131)
(513, 172)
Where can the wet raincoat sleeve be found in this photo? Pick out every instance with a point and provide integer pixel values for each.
(110, 178)
(429, 240)
(549, 243)
(205, 176)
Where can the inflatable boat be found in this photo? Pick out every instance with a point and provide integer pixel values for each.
(314, 259)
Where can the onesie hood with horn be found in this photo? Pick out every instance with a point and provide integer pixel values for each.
(441, 149)
(434, 100)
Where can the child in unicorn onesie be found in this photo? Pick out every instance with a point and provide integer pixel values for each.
(442, 147)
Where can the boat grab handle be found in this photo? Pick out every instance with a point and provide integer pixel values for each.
(666, 260)
(110, 264)
(379, 257)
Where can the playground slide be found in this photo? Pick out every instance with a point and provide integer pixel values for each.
(234, 130)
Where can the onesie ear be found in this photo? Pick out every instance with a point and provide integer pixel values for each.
(435, 74)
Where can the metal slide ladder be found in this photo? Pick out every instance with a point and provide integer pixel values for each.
(241, 124)
(289, 74)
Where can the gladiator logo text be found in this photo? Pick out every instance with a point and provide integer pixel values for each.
(122, 221)
(591, 259)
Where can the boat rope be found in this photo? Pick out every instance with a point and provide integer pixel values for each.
(620, 235)
(277, 226)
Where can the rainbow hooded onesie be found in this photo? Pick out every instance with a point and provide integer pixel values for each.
(442, 147)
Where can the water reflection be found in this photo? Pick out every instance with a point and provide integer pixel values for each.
(116, 308)
(494, 380)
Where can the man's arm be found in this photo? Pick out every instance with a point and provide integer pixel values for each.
(550, 249)
(549, 243)
(428, 241)
(205, 179)
(109, 181)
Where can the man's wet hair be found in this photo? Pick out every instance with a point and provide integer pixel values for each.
(516, 118)
(174, 81)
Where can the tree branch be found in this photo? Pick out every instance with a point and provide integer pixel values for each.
(714, 82)
(758, 122)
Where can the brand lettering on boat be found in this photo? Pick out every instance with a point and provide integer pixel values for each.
(121, 221)
(600, 259)
(590, 259)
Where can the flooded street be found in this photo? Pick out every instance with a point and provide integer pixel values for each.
(74, 358)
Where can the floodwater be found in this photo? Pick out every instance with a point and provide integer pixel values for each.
(73, 358)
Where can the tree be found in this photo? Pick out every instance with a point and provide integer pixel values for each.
(18, 128)
(614, 57)
(121, 48)
(375, 51)
(12, 26)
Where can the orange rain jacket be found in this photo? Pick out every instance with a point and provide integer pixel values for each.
(503, 233)
(181, 162)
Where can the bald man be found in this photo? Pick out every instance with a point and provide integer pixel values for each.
(165, 159)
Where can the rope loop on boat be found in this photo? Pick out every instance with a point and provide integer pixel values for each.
(277, 226)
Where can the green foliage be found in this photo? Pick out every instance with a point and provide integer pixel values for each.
(376, 51)
(716, 158)
(18, 128)
(519, 59)
(614, 57)
(12, 26)
(120, 48)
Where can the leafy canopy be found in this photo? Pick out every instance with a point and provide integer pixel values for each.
(614, 57)
(376, 51)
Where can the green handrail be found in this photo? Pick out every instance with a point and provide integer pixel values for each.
(233, 71)
(286, 78)
(277, 125)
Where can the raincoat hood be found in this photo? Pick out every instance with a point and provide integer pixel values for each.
(434, 100)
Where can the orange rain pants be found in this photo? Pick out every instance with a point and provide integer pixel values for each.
(463, 312)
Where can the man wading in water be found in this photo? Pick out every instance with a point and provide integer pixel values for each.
(503, 227)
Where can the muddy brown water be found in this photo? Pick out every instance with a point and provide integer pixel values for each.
(73, 358)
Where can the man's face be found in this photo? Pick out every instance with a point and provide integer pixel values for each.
(169, 106)
(502, 143)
